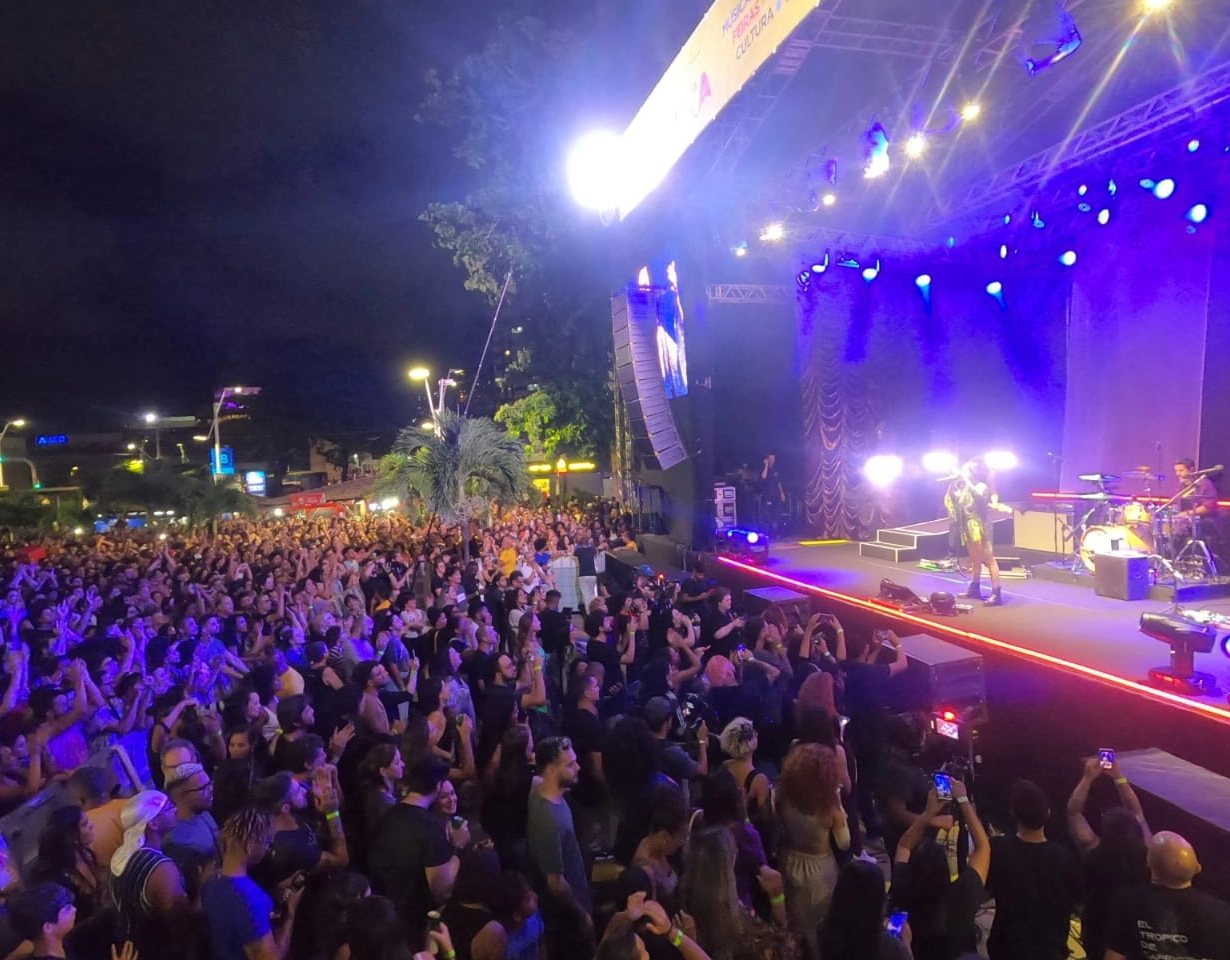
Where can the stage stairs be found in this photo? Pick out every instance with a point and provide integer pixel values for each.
(919, 541)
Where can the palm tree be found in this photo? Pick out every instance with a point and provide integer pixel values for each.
(457, 468)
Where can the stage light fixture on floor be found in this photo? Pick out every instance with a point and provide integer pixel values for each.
(1185, 640)
(1198, 214)
(1164, 189)
(1068, 258)
(1104, 216)
(773, 233)
(883, 470)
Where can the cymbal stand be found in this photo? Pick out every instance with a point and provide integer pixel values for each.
(1076, 562)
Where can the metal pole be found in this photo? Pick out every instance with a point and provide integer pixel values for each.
(3, 431)
(490, 333)
(158, 439)
(217, 465)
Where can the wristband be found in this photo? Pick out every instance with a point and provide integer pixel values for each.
(333, 814)
(450, 954)
(962, 799)
(703, 743)
(676, 937)
(778, 900)
(1119, 781)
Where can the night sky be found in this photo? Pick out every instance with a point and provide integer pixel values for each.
(193, 193)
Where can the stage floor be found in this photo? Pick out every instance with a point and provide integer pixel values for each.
(1064, 626)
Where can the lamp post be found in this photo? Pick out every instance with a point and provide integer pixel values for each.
(156, 422)
(214, 427)
(17, 422)
(423, 375)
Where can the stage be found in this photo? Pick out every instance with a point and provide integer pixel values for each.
(1059, 626)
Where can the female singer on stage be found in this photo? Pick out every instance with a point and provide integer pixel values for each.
(970, 499)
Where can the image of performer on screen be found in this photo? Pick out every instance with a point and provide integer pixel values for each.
(672, 344)
(1201, 499)
(970, 499)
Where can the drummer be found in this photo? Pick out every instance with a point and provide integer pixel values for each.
(1202, 499)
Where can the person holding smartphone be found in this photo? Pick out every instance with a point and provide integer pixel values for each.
(941, 911)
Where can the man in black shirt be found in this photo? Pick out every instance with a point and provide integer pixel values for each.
(1036, 884)
(556, 637)
(1169, 918)
(413, 857)
(600, 649)
(694, 591)
(588, 797)
(587, 570)
(721, 629)
(866, 704)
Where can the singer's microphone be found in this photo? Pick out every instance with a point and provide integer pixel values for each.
(1204, 473)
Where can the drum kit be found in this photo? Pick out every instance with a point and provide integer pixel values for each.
(1173, 541)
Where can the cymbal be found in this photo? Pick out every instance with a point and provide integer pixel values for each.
(1100, 496)
(1144, 473)
(1099, 477)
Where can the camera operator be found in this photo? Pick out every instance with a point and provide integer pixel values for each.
(673, 760)
(694, 591)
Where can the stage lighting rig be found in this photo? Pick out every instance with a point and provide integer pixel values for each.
(1067, 42)
(875, 152)
(745, 544)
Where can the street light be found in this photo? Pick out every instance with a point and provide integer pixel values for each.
(17, 422)
(219, 400)
(156, 422)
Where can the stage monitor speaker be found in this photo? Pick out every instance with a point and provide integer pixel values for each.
(940, 675)
(1121, 576)
(634, 323)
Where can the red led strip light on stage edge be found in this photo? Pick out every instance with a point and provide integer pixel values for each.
(1209, 710)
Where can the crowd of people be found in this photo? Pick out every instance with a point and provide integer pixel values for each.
(373, 739)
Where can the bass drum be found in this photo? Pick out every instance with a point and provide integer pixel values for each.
(1111, 540)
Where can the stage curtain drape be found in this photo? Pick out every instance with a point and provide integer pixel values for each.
(1136, 348)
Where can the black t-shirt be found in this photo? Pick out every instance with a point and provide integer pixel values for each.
(710, 625)
(555, 630)
(585, 561)
(1155, 922)
(691, 589)
(600, 651)
(291, 851)
(1036, 888)
(899, 780)
(866, 696)
(1106, 873)
(954, 934)
(585, 731)
(407, 841)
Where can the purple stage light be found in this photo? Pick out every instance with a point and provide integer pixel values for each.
(1104, 216)
(1164, 189)
(1068, 258)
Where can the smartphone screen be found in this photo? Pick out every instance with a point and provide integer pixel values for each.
(1106, 758)
(943, 786)
(896, 922)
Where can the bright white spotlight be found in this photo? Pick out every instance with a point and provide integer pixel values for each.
(740, 250)
(1068, 258)
(1198, 214)
(995, 288)
(773, 233)
(1155, 6)
(1193, 146)
(1003, 251)
(1104, 216)
(970, 112)
(939, 462)
(999, 460)
(595, 170)
(922, 281)
(916, 146)
(829, 199)
(753, 537)
(1164, 189)
(882, 470)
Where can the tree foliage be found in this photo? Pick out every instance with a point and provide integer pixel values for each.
(164, 485)
(535, 418)
(499, 112)
(459, 470)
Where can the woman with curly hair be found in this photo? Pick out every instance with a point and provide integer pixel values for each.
(813, 822)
